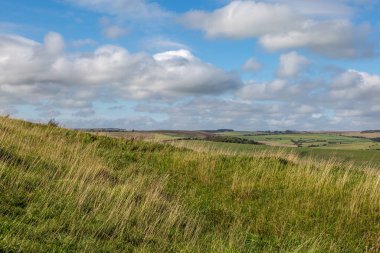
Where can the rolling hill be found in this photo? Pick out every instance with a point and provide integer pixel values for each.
(67, 191)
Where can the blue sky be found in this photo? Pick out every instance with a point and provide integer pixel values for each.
(248, 65)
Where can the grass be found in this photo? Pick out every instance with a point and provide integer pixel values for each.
(328, 140)
(146, 136)
(66, 191)
(315, 140)
(360, 158)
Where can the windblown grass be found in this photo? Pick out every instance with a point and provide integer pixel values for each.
(65, 191)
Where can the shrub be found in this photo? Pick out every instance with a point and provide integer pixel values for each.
(53, 123)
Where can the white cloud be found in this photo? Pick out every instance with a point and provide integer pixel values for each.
(180, 72)
(243, 19)
(355, 85)
(182, 88)
(34, 73)
(281, 25)
(214, 113)
(352, 97)
(319, 8)
(251, 65)
(336, 38)
(291, 64)
(348, 101)
(54, 43)
(261, 91)
(277, 89)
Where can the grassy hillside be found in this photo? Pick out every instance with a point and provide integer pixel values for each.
(65, 191)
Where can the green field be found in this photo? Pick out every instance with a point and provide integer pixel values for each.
(313, 140)
(358, 157)
(305, 141)
(67, 191)
(360, 151)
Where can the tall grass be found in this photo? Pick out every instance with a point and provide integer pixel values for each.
(65, 191)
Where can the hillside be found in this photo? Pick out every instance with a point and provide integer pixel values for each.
(67, 191)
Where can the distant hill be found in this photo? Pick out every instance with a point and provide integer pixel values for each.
(370, 131)
(101, 129)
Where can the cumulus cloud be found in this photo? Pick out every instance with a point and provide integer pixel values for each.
(180, 73)
(54, 43)
(335, 38)
(23, 60)
(356, 86)
(214, 113)
(280, 25)
(321, 8)
(277, 89)
(291, 64)
(243, 19)
(35, 73)
(348, 100)
(185, 91)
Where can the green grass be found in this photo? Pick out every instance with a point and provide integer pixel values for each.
(315, 140)
(358, 157)
(65, 191)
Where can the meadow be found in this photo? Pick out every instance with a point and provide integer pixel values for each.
(342, 140)
(68, 191)
(358, 157)
(361, 149)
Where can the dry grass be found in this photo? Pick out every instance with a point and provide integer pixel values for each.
(65, 191)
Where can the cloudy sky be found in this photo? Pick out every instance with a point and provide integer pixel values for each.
(201, 64)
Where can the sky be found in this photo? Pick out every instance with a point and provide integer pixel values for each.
(201, 64)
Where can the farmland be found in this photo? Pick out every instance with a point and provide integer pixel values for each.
(312, 140)
(358, 157)
(343, 146)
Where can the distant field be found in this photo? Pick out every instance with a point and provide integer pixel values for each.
(336, 141)
(312, 140)
(317, 145)
(360, 134)
(358, 157)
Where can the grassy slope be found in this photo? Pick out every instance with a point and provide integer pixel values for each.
(66, 191)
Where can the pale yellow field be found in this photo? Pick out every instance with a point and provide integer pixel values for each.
(359, 134)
